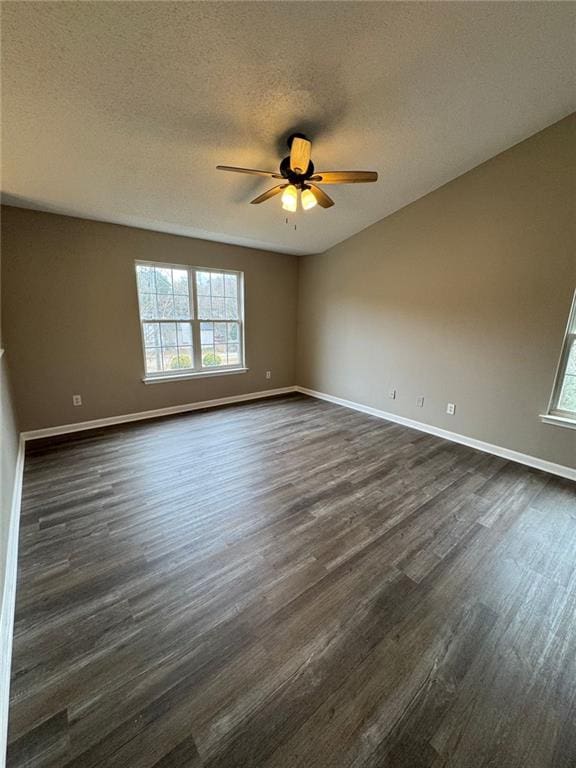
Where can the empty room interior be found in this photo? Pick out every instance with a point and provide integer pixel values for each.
(288, 384)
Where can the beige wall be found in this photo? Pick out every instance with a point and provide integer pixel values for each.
(71, 317)
(462, 297)
(8, 454)
(8, 458)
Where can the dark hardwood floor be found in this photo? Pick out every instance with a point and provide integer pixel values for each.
(291, 584)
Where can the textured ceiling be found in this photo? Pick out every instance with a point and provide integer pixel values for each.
(120, 111)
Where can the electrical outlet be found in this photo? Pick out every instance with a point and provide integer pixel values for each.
(420, 402)
(268, 374)
(76, 399)
(451, 409)
(392, 394)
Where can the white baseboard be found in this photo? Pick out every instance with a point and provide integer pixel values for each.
(9, 601)
(471, 442)
(64, 429)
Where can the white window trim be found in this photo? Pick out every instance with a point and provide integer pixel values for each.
(558, 421)
(204, 374)
(555, 415)
(198, 371)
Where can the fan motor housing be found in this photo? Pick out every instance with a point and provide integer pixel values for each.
(298, 179)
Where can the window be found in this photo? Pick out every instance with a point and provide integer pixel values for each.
(191, 319)
(563, 401)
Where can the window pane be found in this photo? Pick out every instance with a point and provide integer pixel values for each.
(207, 333)
(231, 286)
(153, 362)
(184, 334)
(233, 332)
(204, 307)
(220, 332)
(217, 284)
(184, 358)
(218, 309)
(220, 344)
(163, 280)
(180, 281)
(571, 364)
(567, 399)
(182, 306)
(231, 307)
(203, 283)
(168, 333)
(210, 359)
(217, 296)
(165, 307)
(148, 308)
(233, 354)
(145, 279)
(151, 335)
(170, 358)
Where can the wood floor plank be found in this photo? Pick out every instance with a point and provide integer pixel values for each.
(287, 583)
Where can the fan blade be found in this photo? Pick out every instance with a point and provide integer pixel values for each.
(252, 171)
(268, 194)
(321, 197)
(344, 177)
(300, 155)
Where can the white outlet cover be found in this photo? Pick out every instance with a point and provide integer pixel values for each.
(420, 402)
(451, 409)
(392, 394)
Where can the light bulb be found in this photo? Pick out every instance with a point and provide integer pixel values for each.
(290, 198)
(308, 199)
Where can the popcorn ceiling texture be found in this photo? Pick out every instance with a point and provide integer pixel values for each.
(121, 111)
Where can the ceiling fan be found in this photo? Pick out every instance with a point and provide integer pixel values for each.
(300, 179)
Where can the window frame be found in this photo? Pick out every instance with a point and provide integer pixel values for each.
(554, 414)
(197, 370)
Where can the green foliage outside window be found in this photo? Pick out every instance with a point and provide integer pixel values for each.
(181, 361)
(211, 358)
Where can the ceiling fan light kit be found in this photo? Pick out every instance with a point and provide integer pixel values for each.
(298, 173)
(307, 198)
(290, 198)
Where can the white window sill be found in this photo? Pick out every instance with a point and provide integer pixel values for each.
(192, 375)
(558, 421)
